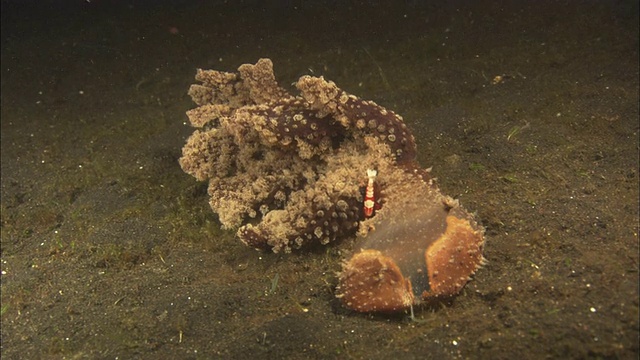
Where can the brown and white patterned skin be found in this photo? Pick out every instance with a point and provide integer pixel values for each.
(423, 247)
(286, 171)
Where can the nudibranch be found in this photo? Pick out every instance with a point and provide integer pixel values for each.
(415, 249)
(285, 171)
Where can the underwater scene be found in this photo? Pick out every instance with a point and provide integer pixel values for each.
(319, 179)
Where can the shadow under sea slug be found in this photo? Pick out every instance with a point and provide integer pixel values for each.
(291, 170)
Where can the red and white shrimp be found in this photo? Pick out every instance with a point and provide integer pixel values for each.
(370, 204)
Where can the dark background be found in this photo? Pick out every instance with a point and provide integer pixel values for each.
(527, 111)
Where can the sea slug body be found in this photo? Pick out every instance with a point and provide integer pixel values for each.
(285, 172)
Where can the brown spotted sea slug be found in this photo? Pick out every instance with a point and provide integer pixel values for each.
(287, 171)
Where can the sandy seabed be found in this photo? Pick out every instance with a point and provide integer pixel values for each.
(528, 114)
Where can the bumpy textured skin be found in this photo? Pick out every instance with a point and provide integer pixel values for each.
(288, 170)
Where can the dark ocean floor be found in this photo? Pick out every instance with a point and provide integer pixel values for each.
(527, 111)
